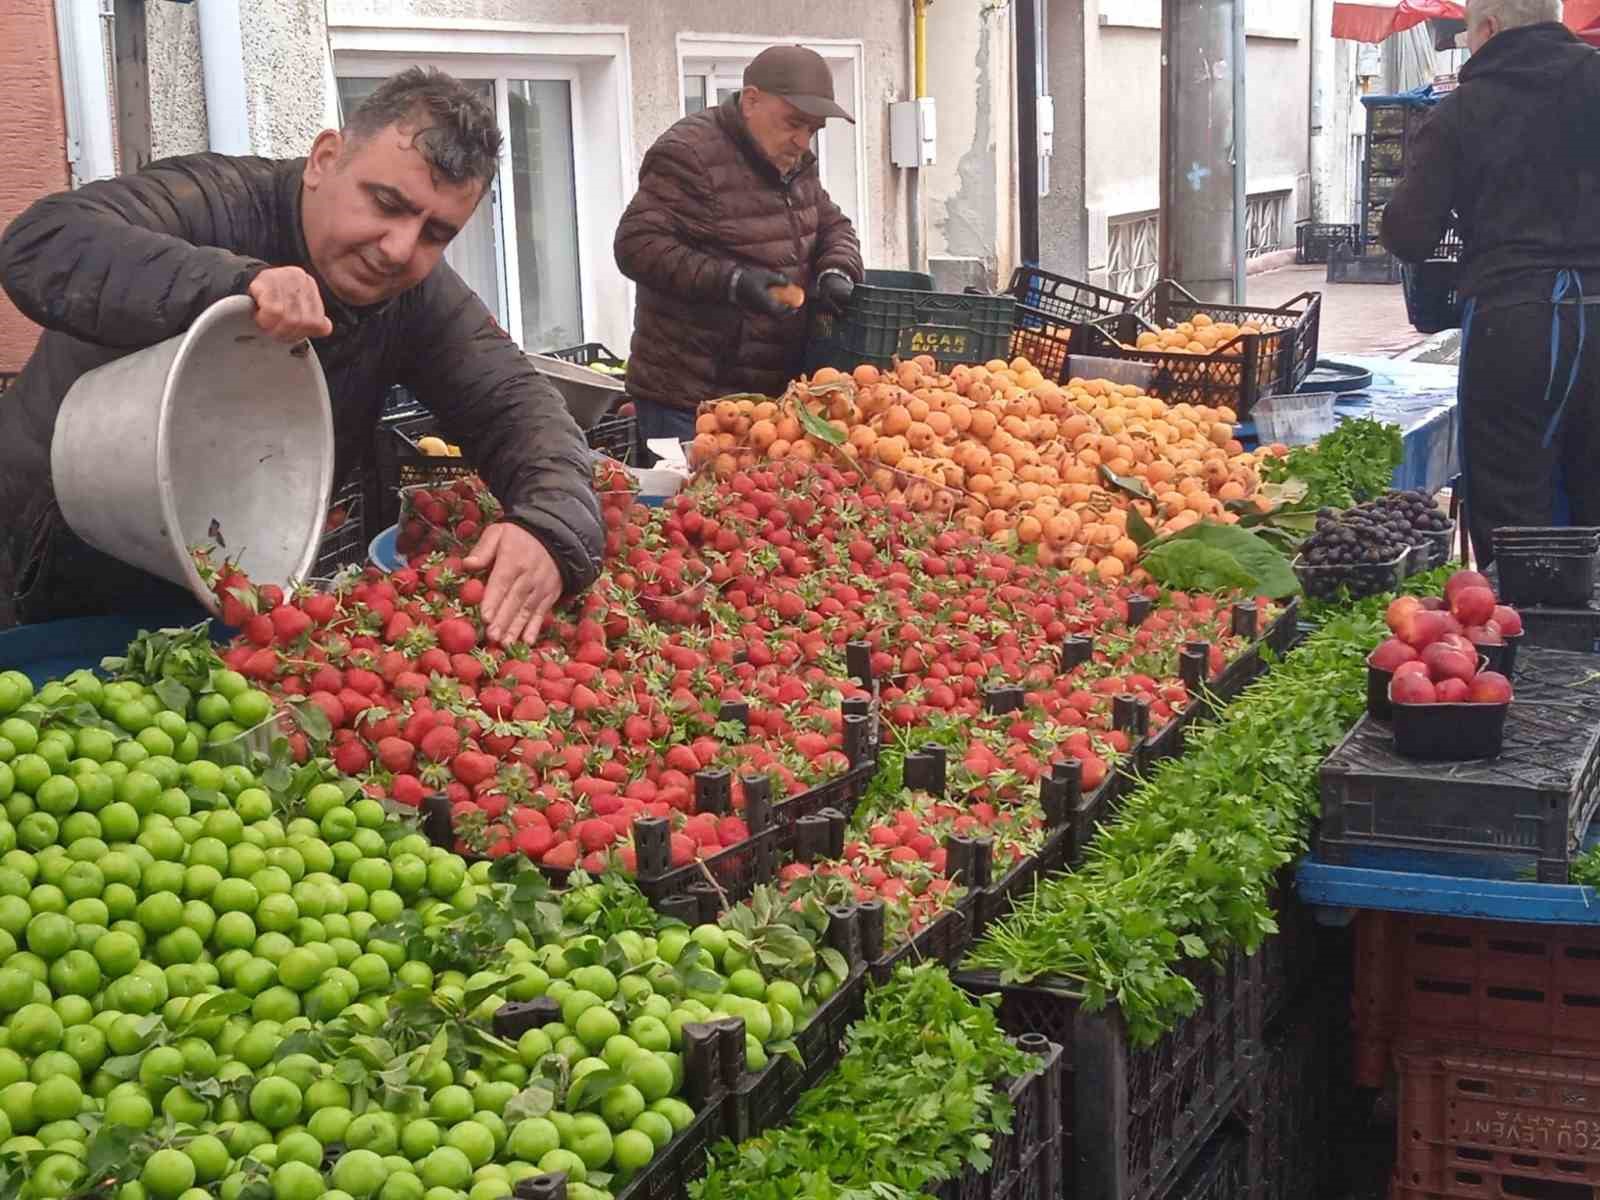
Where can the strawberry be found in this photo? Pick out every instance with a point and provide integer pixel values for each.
(439, 744)
(396, 754)
(472, 767)
(457, 636)
(351, 758)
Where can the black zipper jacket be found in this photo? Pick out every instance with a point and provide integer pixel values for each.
(125, 263)
(1515, 151)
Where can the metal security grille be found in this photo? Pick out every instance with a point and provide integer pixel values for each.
(1264, 222)
(1133, 255)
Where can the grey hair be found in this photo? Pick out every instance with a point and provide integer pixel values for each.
(451, 126)
(1513, 14)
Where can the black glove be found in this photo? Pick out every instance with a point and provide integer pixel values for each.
(834, 290)
(751, 291)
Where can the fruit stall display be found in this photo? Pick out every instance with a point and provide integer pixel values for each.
(1074, 469)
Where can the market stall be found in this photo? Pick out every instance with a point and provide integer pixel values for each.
(938, 678)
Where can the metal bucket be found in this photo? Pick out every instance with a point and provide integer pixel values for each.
(220, 432)
(589, 394)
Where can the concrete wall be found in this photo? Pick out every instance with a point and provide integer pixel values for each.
(1118, 72)
(285, 56)
(33, 139)
(969, 193)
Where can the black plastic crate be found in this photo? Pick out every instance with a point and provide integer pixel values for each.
(1092, 811)
(1574, 629)
(344, 544)
(821, 1042)
(1287, 960)
(1135, 1117)
(1029, 1162)
(590, 354)
(944, 940)
(1555, 580)
(616, 437)
(1220, 1171)
(733, 873)
(1433, 295)
(756, 1105)
(1314, 241)
(1249, 366)
(1049, 308)
(1362, 264)
(1287, 1106)
(1530, 806)
(842, 794)
(883, 324)
(682, 1160)
(400, 464)
(997, 900)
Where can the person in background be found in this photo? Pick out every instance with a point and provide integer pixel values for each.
(343, 247)
(1512, 159)
(730, 208)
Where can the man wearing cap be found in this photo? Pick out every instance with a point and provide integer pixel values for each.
(730, 208)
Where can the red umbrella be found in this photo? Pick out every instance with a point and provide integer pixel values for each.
(1376, 22)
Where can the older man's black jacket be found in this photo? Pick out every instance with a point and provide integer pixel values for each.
(125, 263)
(1515, 151)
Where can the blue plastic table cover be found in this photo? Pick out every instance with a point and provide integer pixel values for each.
(1418, 397)
(57, 648)
(1344, 887)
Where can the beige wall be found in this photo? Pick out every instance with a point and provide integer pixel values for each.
(33, 139)
(1122, 135)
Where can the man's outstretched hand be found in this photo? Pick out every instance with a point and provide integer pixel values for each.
(289, 305)
(524, 582)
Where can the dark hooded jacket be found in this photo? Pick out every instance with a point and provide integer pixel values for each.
(125, 263)
(708, 203)
(1515, 152)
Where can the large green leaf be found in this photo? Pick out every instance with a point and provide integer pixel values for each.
(1265, 569)
(1195, 567)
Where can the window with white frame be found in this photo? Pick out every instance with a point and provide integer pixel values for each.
(537, 251)
(712, 69)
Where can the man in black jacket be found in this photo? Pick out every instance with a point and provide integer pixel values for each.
(343, 247)
(1514, 153)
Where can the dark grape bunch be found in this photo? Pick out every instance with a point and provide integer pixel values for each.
(1378, 531)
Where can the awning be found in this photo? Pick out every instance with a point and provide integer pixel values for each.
(1378, 22)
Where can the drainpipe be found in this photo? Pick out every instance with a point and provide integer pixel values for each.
(86, 90)
(222, 66)
(919, 51)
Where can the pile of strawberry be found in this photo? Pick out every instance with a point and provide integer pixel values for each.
(553, 750)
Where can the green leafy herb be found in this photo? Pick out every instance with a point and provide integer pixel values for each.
(1353, 463)
(917, 1099)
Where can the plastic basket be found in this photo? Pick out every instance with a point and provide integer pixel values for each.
(346, 540)
(1574, 629)
(1532, 575)
(944, 940)
(821, 1042)
(1433, 297)
(1236, 375)
(590, 354)
(883, 324)
(1515, 985)
(842, 794)
(1358, 580)
(1358, 264)
(1287, 961)
(1219, 1172)
(1137, 1117)
(915, 281)
(1049, 308)
(616, 437)
(1028, 1162)
(682, 1161)
(1530, 806)
(1314, 241)
(1479, 1121)
(1288, 1104)
(401, 465)
(1296, 420)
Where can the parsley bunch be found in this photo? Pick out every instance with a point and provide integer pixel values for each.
(1183, 870)
(1355, 462)
(917, 1098)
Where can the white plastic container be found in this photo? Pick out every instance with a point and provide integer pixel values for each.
(1294, 420)
(221, 430)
